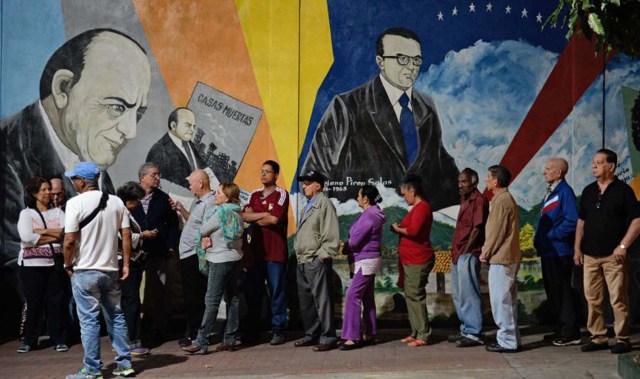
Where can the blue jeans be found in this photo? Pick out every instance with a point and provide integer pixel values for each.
(222, 281)
(467, 297)
(274, 273)
(92, 290)
(503, 292)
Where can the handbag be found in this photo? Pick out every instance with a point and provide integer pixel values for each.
(58, 257)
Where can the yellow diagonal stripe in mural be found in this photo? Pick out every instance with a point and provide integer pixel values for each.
(316, 57)
(271, 33)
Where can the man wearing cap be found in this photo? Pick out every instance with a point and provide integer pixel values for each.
(315, 245)
(91, 260)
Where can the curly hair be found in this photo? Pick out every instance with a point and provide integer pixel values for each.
(31, 190)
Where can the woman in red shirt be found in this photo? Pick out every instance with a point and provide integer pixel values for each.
(416, 258)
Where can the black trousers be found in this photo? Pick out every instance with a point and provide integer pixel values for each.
(316, 305)
(44, 288)
(194, 286)
(130, 300)
(563, 298)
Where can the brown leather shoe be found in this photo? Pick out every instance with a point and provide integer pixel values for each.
(304, 343)
(225, 347)
(324, 347)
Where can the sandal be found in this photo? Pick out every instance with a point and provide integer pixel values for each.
(407, 339)
(418, 342)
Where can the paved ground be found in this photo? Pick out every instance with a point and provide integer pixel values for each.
(388, 359)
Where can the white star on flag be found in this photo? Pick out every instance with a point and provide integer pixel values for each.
(454, 12)
(489, 7)
(440, 16)
(539, 18)
(524, 13)
(507, 10)
(472, 7)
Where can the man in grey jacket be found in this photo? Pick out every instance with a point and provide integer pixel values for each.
(316, 244)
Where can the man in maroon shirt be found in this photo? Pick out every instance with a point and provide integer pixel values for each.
(267, 212)
(466, 247)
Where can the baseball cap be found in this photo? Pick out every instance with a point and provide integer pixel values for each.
(312, 176)
(87, 170)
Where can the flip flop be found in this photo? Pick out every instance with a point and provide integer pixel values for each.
(418, 342)
(407, 339)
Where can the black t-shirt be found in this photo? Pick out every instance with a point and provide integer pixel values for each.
(606, 217)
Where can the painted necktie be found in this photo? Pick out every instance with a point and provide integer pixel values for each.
(187, 150)
(408, 125)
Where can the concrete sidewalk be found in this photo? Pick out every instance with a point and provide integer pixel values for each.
(388, 359)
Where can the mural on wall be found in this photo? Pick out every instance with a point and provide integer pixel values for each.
(89, 108)
(502, 90)
(485, 83)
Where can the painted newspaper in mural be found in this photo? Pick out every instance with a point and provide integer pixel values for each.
(227, 126)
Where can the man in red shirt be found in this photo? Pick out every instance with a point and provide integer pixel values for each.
(267, 212)
(466, 247)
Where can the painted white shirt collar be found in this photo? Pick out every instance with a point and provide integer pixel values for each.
(394, 94)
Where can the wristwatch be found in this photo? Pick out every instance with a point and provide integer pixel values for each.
(622, 246)
(69, 269)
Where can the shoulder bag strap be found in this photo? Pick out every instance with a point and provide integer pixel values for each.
(101, 206)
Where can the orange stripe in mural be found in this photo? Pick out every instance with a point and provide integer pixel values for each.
(203, 41)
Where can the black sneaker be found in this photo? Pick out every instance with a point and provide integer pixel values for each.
(453, 338)
(24, 348)
(550, 337)
(591, 346)
(620, 348)
(567, 341)
(468, 342)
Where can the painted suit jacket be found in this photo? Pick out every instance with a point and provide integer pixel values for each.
(173, 164)
(359, 136)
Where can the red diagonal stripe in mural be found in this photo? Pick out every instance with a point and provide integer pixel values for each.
(572, 75)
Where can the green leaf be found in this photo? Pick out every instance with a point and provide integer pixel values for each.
(595, 24)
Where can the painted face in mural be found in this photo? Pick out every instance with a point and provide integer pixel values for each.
(465, 185)
(185, 128)
(401, 76)
(103, 108)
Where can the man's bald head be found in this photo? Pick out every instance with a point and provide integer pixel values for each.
(199, 183)
(58, 196)
(555, 169)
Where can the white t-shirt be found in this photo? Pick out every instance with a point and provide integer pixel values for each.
(28, 221)
(98, 241)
